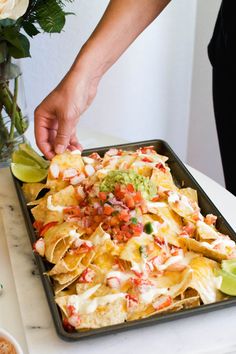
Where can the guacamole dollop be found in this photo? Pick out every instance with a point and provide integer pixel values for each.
(123, 177)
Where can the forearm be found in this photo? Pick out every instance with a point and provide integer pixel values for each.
(56, 117)
(120, 25)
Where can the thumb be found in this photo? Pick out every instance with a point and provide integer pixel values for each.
(64, 131)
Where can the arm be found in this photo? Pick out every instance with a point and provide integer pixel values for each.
(56, 117)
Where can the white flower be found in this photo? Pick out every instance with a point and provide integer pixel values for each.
(13, 9)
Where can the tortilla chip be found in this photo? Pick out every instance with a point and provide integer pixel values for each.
(171, 222)
(65, 197)
(203, 279)
(206, 232)
(175, 282)
(53, 237)
(196, 246)
(58, 288)
(32, 190)
(64, 161)
(39, 212)
(105, 316)
(163, 179)
(65, 278)
(131, 250)
(69, 263)
(189, 193)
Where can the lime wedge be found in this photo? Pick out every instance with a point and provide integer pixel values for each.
(27, 149)
(28, 174)
(20, 157)
(229, 266)
(228, 283)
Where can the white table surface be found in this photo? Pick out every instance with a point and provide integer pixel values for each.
(25, 313)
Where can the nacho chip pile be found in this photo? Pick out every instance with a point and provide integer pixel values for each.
(124, 241)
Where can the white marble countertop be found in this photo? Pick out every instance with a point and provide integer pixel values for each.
(25, 313)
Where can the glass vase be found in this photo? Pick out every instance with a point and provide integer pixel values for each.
(13, 117)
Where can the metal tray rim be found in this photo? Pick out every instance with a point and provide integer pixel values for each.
(131, 324)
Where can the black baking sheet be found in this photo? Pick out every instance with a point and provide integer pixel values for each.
(182, 178)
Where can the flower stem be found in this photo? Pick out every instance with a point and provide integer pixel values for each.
(6, 99)
(14, 103)
(3, 131)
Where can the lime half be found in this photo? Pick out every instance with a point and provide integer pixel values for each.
(229, 266)
(20, 157)
(28, 174)
(228, 283)
(30, 153)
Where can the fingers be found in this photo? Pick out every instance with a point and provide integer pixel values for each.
(43, 129)
(74, 144)
(66, 125)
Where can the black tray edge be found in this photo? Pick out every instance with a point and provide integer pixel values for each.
(132, 324)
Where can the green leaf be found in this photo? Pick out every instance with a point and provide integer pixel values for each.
(50, 16)
(7, 22)
(30, 29)
(3, 52)
(18, 44)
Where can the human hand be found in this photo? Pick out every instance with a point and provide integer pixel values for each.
(57, 116)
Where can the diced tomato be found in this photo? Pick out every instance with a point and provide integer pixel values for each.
(120, 264)
(38, 225)
(119, 194)
(132, 300)
(147, 149)
(124, 215)
(162, 302)
(139, 281)
(72, 210)
(137, 197)
(156, 199)
(98, 218)
(147, 159)
(70, 310)
(68, 327)
(129, 201)
(130, 188)
(47, 227)
(84, 248)
(137, 229)
(114, 220)
(161, 167)
(102, 196)
(127, 235)
(107, 209)
(138, 274)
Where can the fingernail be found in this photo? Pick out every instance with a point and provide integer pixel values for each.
(59, 149)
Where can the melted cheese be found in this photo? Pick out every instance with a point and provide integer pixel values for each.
(84, 305)
(52, 207)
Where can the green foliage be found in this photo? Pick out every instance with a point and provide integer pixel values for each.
(51, 17)
(41, 16)
(17, 43)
